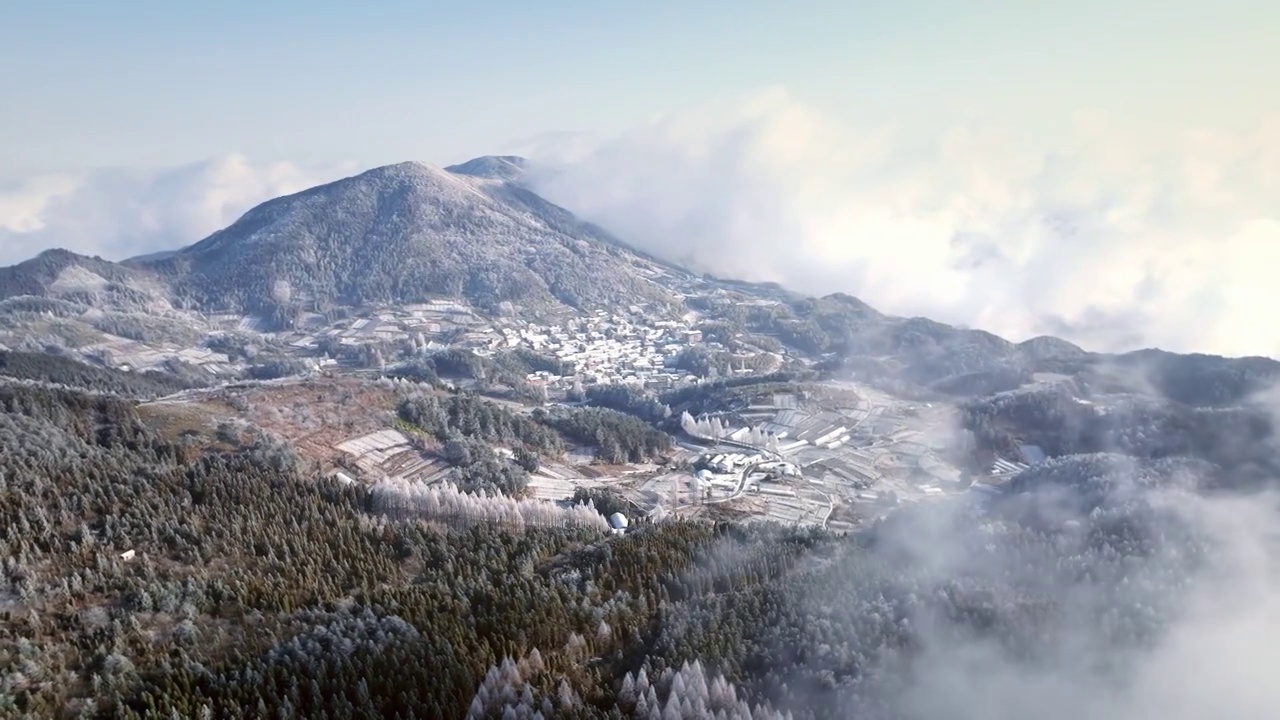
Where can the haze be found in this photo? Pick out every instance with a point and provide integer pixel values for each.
(1106, 174)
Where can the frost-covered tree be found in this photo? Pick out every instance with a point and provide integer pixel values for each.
(404, 499)
(688, 694)
(522, 689)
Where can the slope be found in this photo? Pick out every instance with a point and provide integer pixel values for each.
(491, 167)
(407, 233)
(65, 275)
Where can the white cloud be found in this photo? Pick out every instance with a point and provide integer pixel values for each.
(1210, 657)
(120, 213)
(1109, 236)
(1214, 661)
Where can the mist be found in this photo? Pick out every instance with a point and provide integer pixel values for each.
(1100, 586)
(1182, 629)
(117, 213)
(1111, 236)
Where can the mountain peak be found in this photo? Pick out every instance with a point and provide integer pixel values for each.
(491, 167)
(54, 260)
(62, 273)
(404, 233)
(410, 169)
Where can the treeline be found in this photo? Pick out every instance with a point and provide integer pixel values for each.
(61, 370)
(238, 345)
(1239, 441)
(618, 438)
(1196, 380)
(689, 692)
(479, 468)
(258, 592)
(704, 362)
(279, 367)
(451, 363)
(812, 325)
(445, 503)
(146, 328)
(445, 415)
(984, 382)
(468, 427)
(524, 689)
(523, 361)
(505, 372)
(606, 501)
(629, 399)
(730, 394)
(733, 336)
(34, 307)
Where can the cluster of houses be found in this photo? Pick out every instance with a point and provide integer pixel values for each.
(731, 462)
(633, 345)
(608, 348)
(623, 347)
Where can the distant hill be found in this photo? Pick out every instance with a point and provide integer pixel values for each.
(70, 277)
(67, 372)
(412, 232)
(918, 354)
(491, 167)
(58, 272)
(407, 233)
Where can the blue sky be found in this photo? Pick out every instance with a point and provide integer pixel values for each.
(147, 83)
(1101, 170)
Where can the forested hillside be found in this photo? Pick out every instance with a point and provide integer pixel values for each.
(57, 370)
(1239, 441)
(406, 233)
(252, 591)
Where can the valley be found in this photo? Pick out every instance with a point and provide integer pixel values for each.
(854, 455)
(865, 411)
(836, 361)
(442, 449)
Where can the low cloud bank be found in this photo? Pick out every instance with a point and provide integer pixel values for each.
(121, 213)
(1177, 626)
(1111, 237)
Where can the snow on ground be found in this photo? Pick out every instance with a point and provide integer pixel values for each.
(77, 279)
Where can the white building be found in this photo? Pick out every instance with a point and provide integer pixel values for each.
(618, 522)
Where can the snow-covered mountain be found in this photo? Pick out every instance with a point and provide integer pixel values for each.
(411, 232)
(63, 276)
(492, 167)
(406, 233)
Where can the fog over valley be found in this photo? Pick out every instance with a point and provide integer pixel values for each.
(873, 361)
(1111, 236)
(1114, 237)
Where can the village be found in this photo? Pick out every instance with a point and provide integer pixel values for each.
(606, 347)
(830, 462)
(797, 464)
(619, 347)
